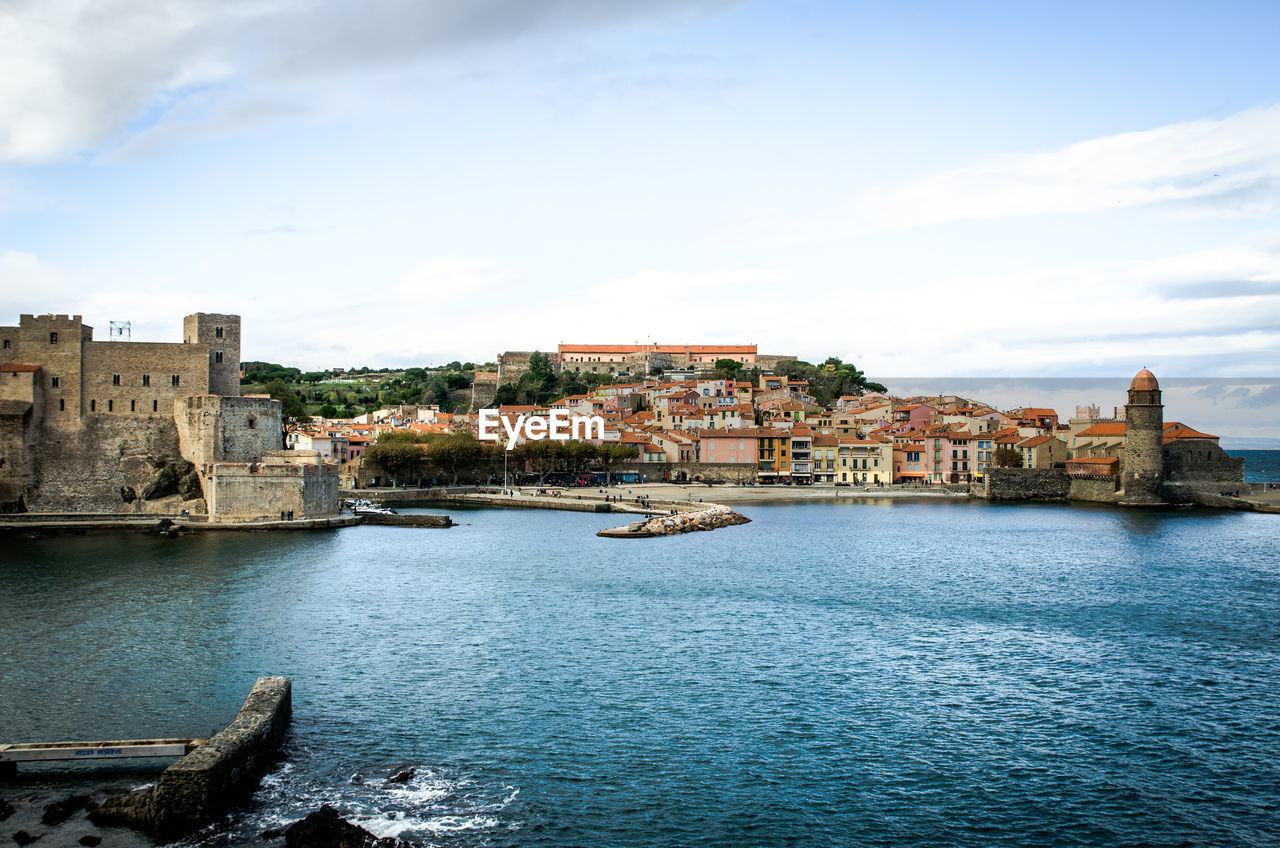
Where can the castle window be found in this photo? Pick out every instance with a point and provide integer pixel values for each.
(146, 379)
(155, 406)
(54, 382)
(6, 344)
(93, 406)
(217, 356)
(133, 406)
(111, 406)
(115, 379)
(252, 423)
(62, 405)
(175, 380)
(217, 333)
(53, 338)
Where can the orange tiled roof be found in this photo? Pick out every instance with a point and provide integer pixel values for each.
(1105, 428)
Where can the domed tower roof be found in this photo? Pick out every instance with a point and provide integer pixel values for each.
(1144, 381)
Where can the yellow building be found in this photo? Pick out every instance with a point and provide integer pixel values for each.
(773, 464)
(864, 462)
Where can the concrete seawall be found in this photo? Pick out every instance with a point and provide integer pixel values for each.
(222, 772)
(411, 520)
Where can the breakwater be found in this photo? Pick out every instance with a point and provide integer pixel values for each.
(32, 525)
(222, 772)
(709, 518)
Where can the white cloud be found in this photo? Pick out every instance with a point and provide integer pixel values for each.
(1228, 167)
(77, 75)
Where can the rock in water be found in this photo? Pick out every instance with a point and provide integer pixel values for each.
(90, 840)
(24, 838)
(6, 809)
(59, 811)
(402, 776)
(326, 829)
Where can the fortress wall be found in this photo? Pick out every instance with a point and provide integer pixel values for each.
(1017, 484)
(513, 364)
(130, 364)
(32, 344)
(1096, 489)
(1188, 460)
(93, 467)
(768, 362)
(227, 429)
(247, 491)
(15, 464)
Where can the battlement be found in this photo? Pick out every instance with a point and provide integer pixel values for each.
(50, 318)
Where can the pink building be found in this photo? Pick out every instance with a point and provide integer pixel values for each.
(734, 445)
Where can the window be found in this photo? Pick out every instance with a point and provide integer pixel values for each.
(155, 406)
(252, 423)
(62, 405)
(6, 344)
(115, 379)
(53, 338)
(111, 406)
(55, 382)
(93, 406)
(217, 356)
(175, 380)
(146, 379)
(133, 406)
(217, 334)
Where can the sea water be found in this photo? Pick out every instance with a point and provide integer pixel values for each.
(887, 673)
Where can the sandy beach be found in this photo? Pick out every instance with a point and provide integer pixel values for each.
(727, 494)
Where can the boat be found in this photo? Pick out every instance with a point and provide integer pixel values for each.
(367, 507)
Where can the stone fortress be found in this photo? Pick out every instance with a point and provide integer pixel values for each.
(637, 360)
(145, 427)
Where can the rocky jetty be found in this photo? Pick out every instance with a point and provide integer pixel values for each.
(682, 522)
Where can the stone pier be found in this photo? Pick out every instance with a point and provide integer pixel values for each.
(222, 772)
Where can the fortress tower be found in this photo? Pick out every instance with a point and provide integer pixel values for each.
(222, 334)
(1142, 464)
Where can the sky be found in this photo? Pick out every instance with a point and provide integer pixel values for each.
(977, 190)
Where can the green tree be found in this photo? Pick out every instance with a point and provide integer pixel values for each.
(292, 410)
(505, 394)
(540, 365)
(396, 458)
(328, 411)
(1006, 458)
(452, 453)
(404, 437)
(728, 369)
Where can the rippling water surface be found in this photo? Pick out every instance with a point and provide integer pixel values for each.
(830, 674)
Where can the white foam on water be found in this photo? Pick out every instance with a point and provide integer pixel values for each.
(429, 804)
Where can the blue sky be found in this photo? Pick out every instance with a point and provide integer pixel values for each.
(965, 190)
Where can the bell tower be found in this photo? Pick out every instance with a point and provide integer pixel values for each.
(1142, 465)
